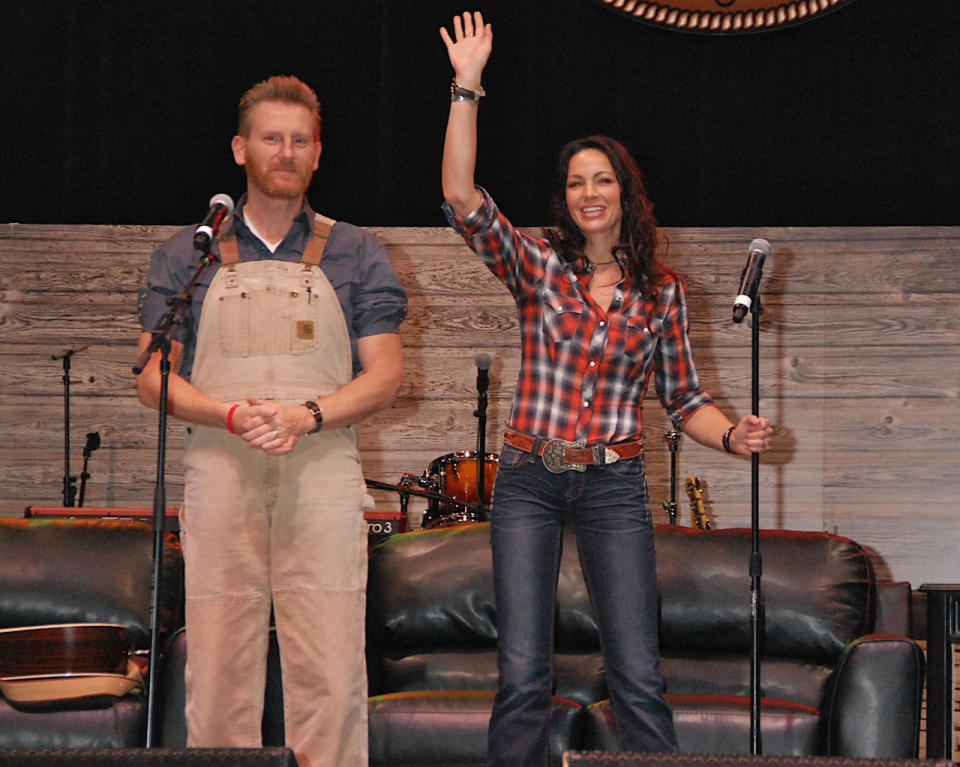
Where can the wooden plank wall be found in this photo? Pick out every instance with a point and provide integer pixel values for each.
(859, 368)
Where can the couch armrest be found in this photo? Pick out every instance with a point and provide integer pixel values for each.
(872, 707)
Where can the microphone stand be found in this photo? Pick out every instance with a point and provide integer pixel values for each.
(68, 491)
(483, 382)
(161, 342)
(756, 558)
(673, 442)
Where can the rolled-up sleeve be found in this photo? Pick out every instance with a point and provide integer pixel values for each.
(166, 278)
(379, 301)
(678, 385)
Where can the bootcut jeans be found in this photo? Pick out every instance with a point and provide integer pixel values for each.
(609, 509)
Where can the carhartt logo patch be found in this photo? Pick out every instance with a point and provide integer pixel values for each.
(304, 329)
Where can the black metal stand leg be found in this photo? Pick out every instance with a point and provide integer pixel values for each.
(943, 631)
(756, 558)
(159, 513)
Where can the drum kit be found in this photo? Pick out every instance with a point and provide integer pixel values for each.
(452, 486)
(453, 481)
(458, 486)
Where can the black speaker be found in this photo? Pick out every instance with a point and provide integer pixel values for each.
(142, 757)
(601, 759)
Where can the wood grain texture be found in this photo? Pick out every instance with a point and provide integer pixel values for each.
(859, 369)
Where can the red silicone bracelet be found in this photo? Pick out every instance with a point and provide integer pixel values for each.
(233, 410)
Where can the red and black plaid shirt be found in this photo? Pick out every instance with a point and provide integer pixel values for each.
(584, 370)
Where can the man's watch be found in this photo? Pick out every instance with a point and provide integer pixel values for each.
(317, 413)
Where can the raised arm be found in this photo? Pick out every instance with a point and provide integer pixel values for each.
(469, 49)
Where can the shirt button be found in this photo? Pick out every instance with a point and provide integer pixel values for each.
(593, 364)
(603, 323)
(586, 404)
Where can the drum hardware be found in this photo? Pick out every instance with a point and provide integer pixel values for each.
(672, 438)
(408, 489)
(482, 361)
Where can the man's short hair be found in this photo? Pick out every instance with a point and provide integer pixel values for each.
(285, 88)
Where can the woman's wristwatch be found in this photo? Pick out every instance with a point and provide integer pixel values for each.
(317, 414)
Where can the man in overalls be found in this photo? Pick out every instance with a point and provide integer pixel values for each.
(290, 339)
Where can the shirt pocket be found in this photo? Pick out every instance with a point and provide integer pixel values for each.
(267, 316)
(562, 324)
(636, 341)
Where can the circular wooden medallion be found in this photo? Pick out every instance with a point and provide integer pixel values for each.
(722, 16)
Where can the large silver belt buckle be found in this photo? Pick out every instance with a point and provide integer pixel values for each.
(554, 453)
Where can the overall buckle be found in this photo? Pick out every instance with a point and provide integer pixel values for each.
(554, 453)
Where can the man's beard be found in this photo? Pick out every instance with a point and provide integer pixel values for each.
(293, 188)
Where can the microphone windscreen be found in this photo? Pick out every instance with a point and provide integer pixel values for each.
(483, 361)
(760, 244)
(223, 199)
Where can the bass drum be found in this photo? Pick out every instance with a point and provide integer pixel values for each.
(457, 475)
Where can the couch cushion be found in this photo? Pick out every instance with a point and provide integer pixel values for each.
(576, 676)
(103, 722)
(728, 674)
(816, 589)
(448, 727)
(720, 724)
(432, 589)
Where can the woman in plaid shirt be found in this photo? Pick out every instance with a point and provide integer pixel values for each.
(598, 316)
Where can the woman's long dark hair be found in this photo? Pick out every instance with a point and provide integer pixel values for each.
(638, 228)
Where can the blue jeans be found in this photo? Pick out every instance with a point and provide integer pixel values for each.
(609, 509)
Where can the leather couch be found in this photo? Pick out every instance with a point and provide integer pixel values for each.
(839, 678)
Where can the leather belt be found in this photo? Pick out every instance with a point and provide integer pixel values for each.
(559, 455)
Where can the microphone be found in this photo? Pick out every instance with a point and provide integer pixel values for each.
(750, 279)
(69, 352)
(221, 207)
(93, 443)
(483, 361)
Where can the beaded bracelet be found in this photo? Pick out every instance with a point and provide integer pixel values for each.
(726, 440)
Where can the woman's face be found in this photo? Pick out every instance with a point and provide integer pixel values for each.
(593, 194)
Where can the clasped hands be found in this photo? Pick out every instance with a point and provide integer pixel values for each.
(268, 426)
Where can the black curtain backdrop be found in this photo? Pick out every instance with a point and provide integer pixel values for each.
(122, 112)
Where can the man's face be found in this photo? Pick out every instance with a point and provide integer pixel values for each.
(280, 153)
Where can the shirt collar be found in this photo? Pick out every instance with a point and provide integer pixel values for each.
(303, 220)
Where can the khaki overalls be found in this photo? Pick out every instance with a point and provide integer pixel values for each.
(288, 530)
